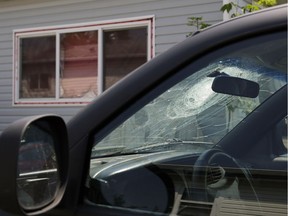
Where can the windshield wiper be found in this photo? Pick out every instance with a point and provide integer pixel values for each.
(168, 145)
(106, 151)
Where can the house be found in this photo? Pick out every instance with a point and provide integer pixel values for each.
(57, 55)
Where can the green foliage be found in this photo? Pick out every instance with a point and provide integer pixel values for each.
(239, 10)
(232, 7)
(227, 7)
(267, 3)
(197, 22)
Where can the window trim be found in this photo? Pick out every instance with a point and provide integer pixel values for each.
(100, 27)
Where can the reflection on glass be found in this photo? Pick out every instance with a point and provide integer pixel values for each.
(124, 51)
(37, 69)
(37, 167)
(79, 57)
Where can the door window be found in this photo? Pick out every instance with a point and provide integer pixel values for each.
(149, 161)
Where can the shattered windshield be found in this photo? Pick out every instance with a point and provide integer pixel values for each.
(190, 116)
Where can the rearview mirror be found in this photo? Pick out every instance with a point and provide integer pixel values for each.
(235, 86)
(34, 158)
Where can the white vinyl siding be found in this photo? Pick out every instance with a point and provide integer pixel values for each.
(170, 28)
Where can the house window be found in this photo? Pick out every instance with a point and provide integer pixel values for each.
(74, 64)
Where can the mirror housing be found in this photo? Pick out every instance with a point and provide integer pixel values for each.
(16, 169)
(235, 86)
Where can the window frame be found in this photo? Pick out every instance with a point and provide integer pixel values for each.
(100, 27)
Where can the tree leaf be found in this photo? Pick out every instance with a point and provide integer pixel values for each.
(226, 7)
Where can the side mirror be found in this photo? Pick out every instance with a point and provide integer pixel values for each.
(235, 86)
(34, 164)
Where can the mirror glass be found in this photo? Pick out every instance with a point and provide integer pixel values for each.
(38, 178)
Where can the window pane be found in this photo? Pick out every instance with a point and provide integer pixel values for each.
(78, 72)
(124, 50)
(37, 67)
